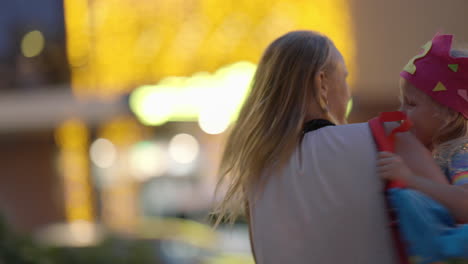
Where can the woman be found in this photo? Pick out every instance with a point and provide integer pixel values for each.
(309, 188)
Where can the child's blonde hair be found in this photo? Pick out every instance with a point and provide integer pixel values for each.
(455, 130)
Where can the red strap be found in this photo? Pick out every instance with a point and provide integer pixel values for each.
(387, 143)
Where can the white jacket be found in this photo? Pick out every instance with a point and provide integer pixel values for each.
(326, 206)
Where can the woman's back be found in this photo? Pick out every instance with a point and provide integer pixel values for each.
(326, 205)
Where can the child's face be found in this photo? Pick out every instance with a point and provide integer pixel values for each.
(421, 110)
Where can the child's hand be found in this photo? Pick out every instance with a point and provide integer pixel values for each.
(391, 167)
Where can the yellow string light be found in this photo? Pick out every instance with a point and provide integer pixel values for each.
(117, 45)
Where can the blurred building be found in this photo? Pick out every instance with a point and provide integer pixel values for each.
(32, 62)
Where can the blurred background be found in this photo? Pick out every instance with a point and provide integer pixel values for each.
(113, 113)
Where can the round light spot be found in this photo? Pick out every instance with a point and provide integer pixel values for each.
(147, 160)
(214, 121)
(32, 44)
(103, 153)
(183, 148)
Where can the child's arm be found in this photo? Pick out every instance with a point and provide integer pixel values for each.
(458, 167)
(416, 155)
(454, 197)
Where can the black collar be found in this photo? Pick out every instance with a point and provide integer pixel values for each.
(316, 124)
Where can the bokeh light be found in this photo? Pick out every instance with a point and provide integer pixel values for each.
(183, 148)
(72, 137)
(349, 107)
(156, 39)
(153, 108)
(148, 159)
(77, 233)
(83, 232)
(195, 97)
(103, 153)
(214, 121)
(32, 44)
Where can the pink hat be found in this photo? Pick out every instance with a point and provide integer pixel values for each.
(438, 74)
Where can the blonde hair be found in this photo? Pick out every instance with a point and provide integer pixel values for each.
(270, 123)
(454, 132)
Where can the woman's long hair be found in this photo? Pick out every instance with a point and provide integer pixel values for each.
(270, 123)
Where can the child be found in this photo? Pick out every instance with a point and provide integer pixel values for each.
(434, 88)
